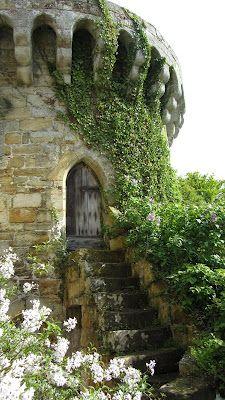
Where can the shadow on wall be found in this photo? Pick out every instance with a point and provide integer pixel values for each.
(7, 56)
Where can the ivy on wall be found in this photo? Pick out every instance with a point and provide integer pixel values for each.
(117, 120)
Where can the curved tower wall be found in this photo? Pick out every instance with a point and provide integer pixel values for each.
(37, 150)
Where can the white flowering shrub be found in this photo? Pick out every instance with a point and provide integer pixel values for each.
(34, 363)
(46, 258)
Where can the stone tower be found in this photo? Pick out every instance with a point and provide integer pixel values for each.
(38, 152)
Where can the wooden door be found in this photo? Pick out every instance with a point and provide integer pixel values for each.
(83, 207)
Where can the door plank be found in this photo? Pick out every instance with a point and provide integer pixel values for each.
(83, 203)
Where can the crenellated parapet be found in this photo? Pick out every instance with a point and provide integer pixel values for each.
(29, 27)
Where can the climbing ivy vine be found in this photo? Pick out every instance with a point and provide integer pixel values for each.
(117, 120)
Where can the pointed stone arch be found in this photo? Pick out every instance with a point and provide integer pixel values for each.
(83, 207)
(99, 165)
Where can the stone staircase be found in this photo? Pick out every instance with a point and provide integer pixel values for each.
(128, 325)
(124, 324)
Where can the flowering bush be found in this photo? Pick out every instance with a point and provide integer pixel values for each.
(33, 360)
(173, 234)
(185, 240)
(48, 257)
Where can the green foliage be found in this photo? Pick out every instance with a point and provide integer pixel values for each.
(209, 353)
(122, 127)
(197, 188)
(173, 234)
(201, 291)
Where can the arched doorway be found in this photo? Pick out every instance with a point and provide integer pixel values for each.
(83, 208)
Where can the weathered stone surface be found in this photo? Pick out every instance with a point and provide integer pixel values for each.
(124, 341)
(27, 200)
(188, 366)
(188, 389)
(118, 243)
(166, 359)
(35, 124)
(19, 215)
(12, 138)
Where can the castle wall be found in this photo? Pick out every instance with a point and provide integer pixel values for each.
(38, 152)
(37, 149)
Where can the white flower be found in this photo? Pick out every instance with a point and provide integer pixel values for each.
(132, 376)
(115, 368)
(1, 332)
(13, 388)
(27, 287)
(4, 306)
(47, 343)
(75, 361)
(97, 373)
(29, 394)
(151, 366)
(137, 396)
(60, 348)
(7, 263)
(4, 362)
(34, 317)
(57, 230)
(57, 375)
(32, 362)
(70, 324)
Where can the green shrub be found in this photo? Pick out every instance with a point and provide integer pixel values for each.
(209, 353)
(200, 290)
(196, 188)
(173, 234)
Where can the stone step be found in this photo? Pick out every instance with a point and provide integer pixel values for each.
(124, 341)
(104, 284)
(167, 359)
(127, 319)
(157, 380)
(114, 270)
(105, 256)
(188, 388)
(134, 299)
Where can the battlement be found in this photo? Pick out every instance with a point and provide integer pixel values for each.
(29, 28)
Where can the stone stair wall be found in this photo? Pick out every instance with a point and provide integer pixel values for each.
(169, 313)
(116, 315)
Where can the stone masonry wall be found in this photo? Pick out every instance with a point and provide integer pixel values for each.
(37, 150)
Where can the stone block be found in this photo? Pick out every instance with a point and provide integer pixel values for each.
(27, 200)
(16, 308)
(16, 162)
(24, 75)
(50, 287)
(157, 289)
(19, 215)
(13, 138)
(23, 55)
(21, 37)
(188, 388)
(164, 311)
(117, 243)
(11, 126)
(44, 216)
(64, 58)
(16, 113)
(6, 150)
(35, 124)
(177, 314)
(26, 149)
(188, 366)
